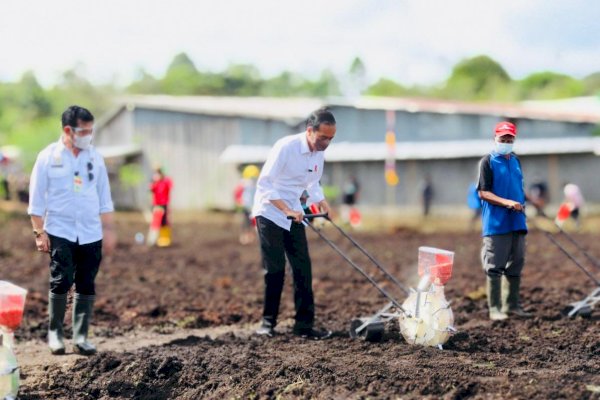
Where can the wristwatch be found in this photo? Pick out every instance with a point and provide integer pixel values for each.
(38, 232)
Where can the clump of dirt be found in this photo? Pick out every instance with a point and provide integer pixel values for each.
(505, 364)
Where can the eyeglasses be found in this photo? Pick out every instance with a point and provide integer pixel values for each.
(90, 168)
(83, 131)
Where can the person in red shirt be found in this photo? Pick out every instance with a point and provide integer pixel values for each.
(160, 230)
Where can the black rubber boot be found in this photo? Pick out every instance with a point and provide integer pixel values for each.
(312, 333)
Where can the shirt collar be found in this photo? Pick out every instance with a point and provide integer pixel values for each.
(496, 154)
(304, 148)
(61, 145)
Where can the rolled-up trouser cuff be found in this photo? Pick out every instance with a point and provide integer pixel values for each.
(58, 296)
(85, 297)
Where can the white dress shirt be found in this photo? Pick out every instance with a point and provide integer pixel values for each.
(70, 211)
(290, 169)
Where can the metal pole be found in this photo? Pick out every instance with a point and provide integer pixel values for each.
(366, 253)
(587, 255)
(359, 269)
(580, 248)
(553, 240)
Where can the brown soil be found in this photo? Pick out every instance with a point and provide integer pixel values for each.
(207, 280)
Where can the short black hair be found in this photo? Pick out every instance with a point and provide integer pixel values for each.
(73, 114)
(320, 116)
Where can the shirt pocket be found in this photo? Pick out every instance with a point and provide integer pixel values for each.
(59, 178)
(297, 173)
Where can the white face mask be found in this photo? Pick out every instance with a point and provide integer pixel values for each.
(82, 142)
(504, 148)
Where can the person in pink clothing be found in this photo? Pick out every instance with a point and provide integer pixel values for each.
(160, 228)
(573, 202)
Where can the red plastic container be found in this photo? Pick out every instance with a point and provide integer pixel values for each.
(437, 263)
(563, 212)
(12, 304)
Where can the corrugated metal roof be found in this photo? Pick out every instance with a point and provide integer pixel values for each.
(582, 105)
(119, 150)
(289, 110)
(346, 151)
(294, 110)
(583, 111)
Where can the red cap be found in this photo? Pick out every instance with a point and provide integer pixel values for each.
(505, 128)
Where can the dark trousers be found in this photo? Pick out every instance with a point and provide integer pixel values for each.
(73, 263)
(275, 244)
(504, 254)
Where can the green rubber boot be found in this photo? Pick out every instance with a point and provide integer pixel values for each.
(57, 305)
(511, 300)
(494, 298)
(82, 315)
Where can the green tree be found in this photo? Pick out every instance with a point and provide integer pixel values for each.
(358, 76)
(549, 85)
(387, 87)
(284, 84)
(592, 84)
(242, 80)
(210, 84)
(357, 67)
(32, 97)
(131, 177)
(75, 88)
(144, 83)
(477, 78)
(326, 85)
(181, 78)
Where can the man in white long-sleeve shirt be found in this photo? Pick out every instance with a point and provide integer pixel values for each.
(294, 164)
(72, 216)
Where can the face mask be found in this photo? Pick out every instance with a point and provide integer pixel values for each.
(82, 142)
(504, 148)
(321, 145)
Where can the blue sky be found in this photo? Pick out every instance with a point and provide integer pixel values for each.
(414, 42)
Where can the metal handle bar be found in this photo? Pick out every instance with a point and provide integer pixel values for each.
(359, 269)
(373, 260)
(566, 252)
(312, 216)
(588, 273)
(571, 239)
(358, 246)
(592, 259)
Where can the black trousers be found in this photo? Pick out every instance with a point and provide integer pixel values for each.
(74, 263)
(275, 244)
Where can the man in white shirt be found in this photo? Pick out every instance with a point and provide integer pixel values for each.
(72, 216)
(294, 164)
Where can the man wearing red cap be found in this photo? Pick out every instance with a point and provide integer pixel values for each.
(503, 224)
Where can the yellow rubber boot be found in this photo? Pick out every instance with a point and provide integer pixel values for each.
(164, 237)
